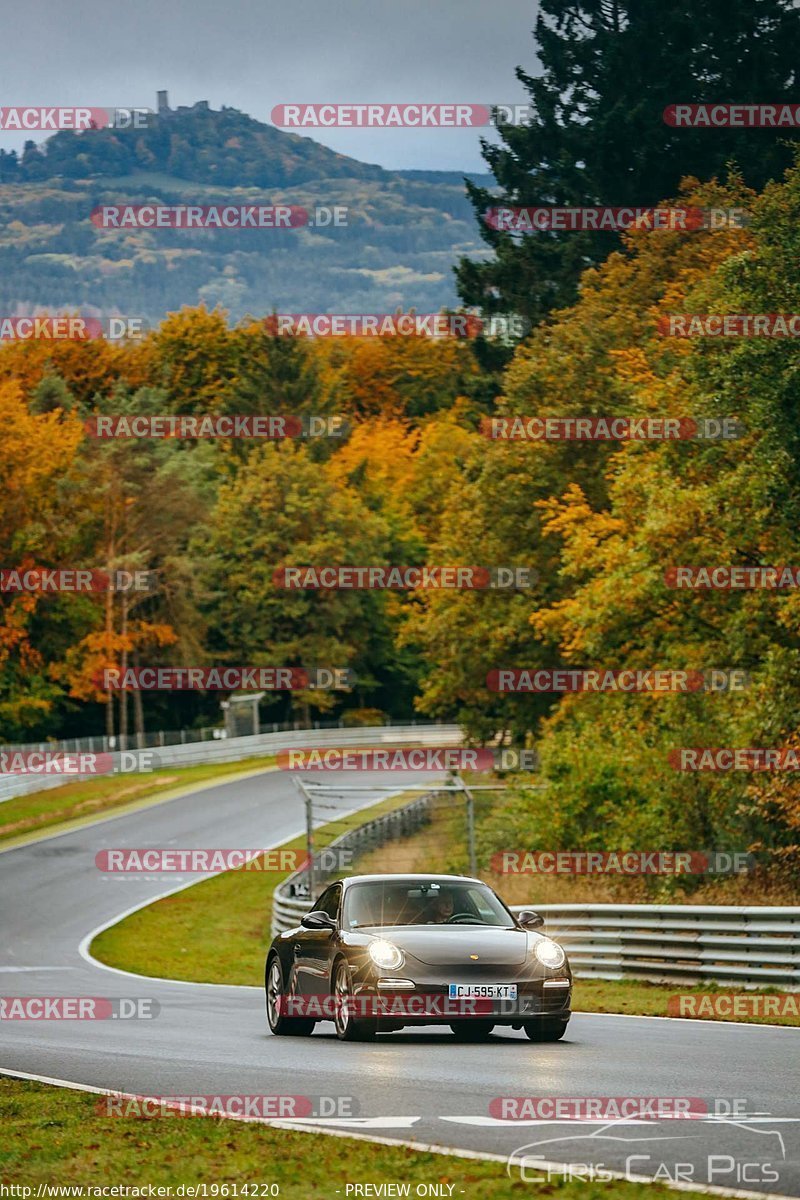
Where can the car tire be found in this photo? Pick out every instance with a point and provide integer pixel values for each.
(471, 1030)
(348, 1028)
(545, 1031)
(279, 1024)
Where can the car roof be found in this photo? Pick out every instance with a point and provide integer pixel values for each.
(404, 877)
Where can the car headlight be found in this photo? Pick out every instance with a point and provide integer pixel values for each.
(549, 953)
(386, 955)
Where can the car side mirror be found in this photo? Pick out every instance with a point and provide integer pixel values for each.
(318, 920)
(529, 919)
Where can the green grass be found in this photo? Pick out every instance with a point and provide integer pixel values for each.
(84, 801)
(650, 999)
(56, 1136)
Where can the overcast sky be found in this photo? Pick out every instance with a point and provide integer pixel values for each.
(253, 54)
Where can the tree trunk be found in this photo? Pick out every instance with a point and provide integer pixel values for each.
(109, 635)
(123, 696)
(138, 709)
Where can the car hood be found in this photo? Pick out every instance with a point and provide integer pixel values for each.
(450, 945)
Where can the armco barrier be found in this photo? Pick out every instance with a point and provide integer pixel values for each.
(679, 943)
(236, 749)
(664, 943)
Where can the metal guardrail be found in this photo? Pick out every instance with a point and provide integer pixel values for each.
(663, 943)
(236, 749)
(756, 946)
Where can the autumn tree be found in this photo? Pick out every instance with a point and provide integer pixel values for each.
(494, 513)
(727, 502)
(39, 452)
(283, 509)
(141, 500)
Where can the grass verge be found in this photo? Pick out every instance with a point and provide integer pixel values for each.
(642, 999)
(85, 800)
(56, 1136)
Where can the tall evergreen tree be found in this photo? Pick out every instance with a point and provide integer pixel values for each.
(609, 69)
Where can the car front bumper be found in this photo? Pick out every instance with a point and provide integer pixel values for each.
(429, 1004)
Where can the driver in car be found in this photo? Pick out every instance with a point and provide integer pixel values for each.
(441, 908)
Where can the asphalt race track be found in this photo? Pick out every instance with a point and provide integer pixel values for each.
(419, 1086)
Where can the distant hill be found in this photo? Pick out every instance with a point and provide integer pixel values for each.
(405, 228)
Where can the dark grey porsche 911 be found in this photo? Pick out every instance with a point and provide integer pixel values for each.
(379, 952)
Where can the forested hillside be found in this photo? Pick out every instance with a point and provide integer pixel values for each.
(403, 235)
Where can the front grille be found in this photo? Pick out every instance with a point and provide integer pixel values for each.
(532, 998)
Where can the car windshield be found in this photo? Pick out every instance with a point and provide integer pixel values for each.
(419, 902)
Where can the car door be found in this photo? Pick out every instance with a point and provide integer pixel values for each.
(312, 947)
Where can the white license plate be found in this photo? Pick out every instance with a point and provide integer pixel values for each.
(482, 991)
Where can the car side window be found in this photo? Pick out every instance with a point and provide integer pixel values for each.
(329, 901)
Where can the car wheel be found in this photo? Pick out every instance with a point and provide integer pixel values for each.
(545, 1031)
(279, 1023)
(348, 1029)
(471, 1031)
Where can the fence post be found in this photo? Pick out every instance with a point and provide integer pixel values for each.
(473, 860)
(309, 835)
